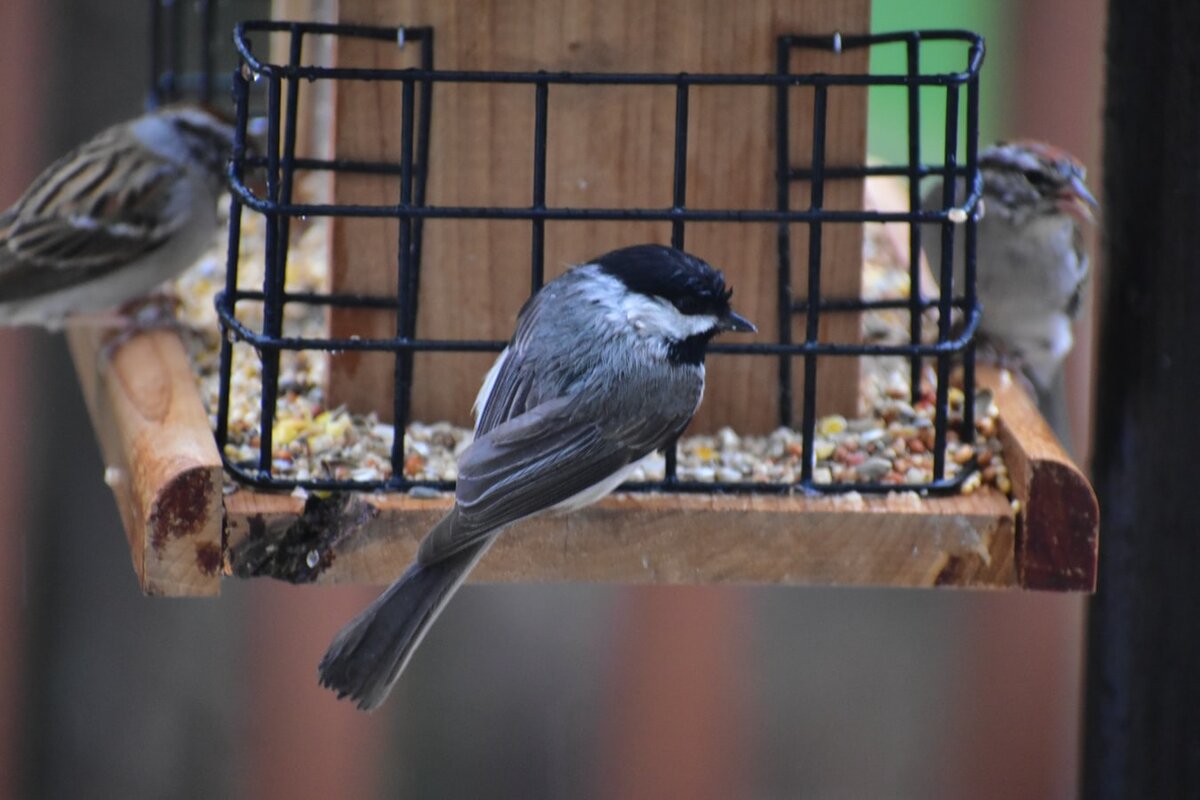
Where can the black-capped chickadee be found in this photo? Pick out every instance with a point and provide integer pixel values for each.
(115, 217)
(606, 366)
(1031, 262)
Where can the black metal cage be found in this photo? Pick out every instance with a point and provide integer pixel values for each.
(190, 48)
(278, 165)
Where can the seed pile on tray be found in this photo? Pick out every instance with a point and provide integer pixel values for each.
(892, 444)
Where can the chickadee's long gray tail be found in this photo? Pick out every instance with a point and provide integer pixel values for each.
(606, 365)
(370, 652)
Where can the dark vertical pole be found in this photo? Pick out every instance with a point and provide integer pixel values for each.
(153, 98)
(914, 204)
(969, 236)
(281, 170)
(947, 287)
(272, 302)
(421, 166)
(174, 57)
(679, 185)
(288, 159)
(406, 311)
(208, 26)
(1143, 684)
(228, 301)
(784, 236)
(678, 201)
(414, 173)
(812, 321)
(538, 239)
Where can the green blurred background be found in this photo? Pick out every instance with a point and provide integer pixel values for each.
(888, 110)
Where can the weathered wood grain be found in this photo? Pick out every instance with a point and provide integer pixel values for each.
(900, 540)
(607, 147)
(161, 461)
(166, 478)
(1058, 537)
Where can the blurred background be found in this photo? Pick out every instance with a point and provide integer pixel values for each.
(520, 691)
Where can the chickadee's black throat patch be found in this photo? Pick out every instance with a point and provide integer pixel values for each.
(690, 350)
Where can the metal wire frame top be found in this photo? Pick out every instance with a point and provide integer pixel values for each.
(190, 50)
(280, 163)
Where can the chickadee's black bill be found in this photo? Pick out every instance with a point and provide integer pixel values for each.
(732, 321)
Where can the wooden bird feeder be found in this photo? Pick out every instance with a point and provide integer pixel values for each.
(605, 150)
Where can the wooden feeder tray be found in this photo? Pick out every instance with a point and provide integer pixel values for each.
(185, 534)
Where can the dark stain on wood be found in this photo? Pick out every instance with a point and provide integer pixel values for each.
(257, 526)
(208, 558)
(300, 551)
(952, 573)
(182, 507)
(1059, 539)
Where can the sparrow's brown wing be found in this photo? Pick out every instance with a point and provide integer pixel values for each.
(96, 209)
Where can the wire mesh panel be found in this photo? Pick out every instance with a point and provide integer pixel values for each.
(958, 158)
(191, 48)
(264, 178)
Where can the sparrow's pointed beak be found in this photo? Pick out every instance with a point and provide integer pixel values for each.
(1082, 191)
(732, 321)
(1079, 202)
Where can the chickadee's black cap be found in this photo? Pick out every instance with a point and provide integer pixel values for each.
(683, 280)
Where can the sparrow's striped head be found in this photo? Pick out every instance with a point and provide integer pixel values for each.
(1039, 175)
(189, 135)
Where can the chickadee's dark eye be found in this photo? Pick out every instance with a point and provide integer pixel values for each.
(688, 305)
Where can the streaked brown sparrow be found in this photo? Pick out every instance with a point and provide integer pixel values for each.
(115, 217)
(1032, 266)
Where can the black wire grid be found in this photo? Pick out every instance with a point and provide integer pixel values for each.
(190, 48)
(279, 163)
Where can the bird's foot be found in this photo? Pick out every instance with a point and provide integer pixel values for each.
(155, 311)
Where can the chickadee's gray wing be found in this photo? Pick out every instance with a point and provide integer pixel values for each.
(511, 392)
(93, 211)
(536, 461)
(515, 387)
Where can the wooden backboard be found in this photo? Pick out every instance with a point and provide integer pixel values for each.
(606, 146)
